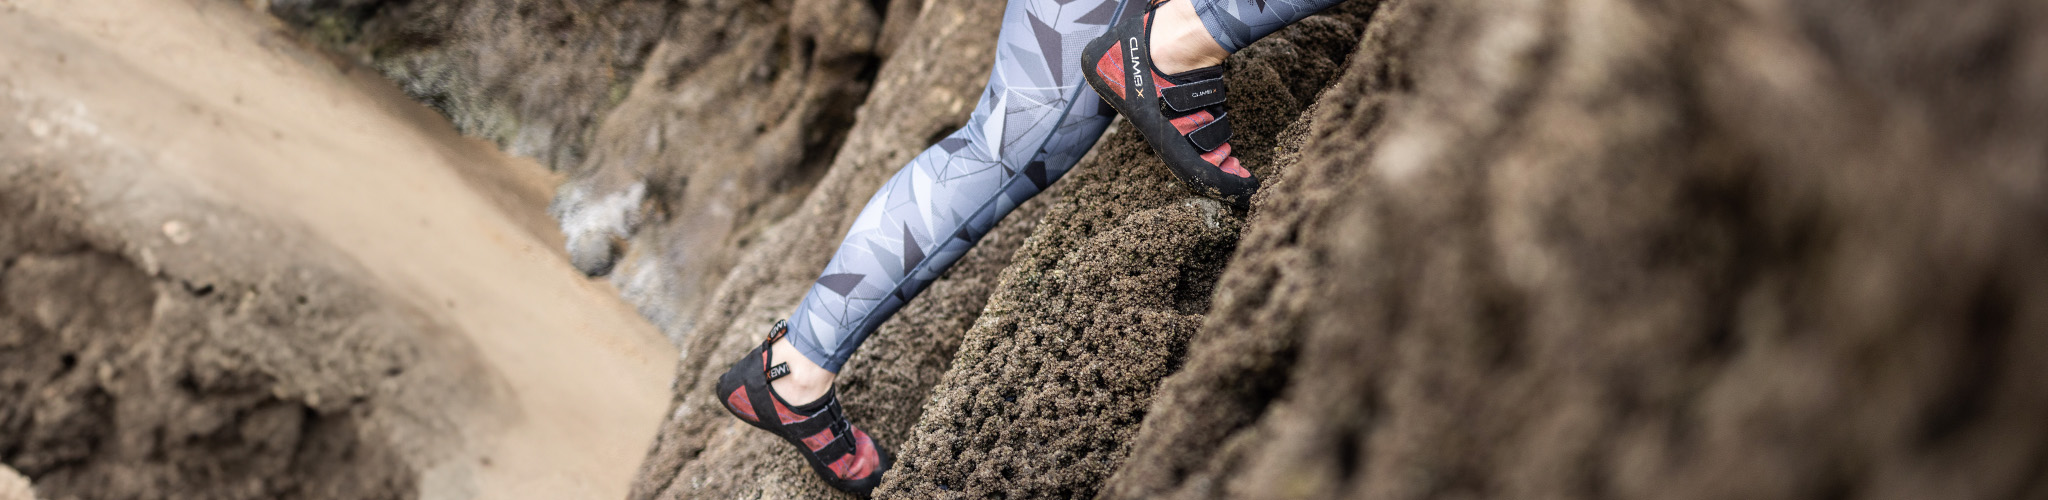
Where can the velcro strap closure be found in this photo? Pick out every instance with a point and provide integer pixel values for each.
(1213, 134)
(832, 419)
(1188, 97)
(840, 445)
(808, 426)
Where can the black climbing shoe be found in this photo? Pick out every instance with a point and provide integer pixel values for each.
(1182, 115)
(843, 455)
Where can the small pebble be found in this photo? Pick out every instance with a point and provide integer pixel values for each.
(177, 232)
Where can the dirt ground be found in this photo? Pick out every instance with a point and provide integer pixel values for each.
(238, 269)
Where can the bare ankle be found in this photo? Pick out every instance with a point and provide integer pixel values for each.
(806, 381)
(1180, 43)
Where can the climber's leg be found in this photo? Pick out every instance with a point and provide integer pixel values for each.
(1237, 23)
(1181, 41)
(1032, 124)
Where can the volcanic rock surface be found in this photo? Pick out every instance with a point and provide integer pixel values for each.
(1596, 249)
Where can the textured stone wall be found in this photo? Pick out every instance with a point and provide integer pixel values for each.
(536, 77)
(1591, 249)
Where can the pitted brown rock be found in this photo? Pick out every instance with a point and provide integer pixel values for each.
(1590, 249)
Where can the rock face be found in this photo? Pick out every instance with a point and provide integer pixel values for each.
(1603, 250)
(533, 76)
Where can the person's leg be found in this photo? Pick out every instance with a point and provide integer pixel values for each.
(1237, 23)
(1180, 41)
(1033, 123)
(1195, 34)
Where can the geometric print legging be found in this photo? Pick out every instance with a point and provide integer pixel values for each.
(1031, 125)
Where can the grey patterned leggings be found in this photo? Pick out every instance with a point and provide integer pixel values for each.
(1033, 123)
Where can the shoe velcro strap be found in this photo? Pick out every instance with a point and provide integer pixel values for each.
(842, 441)
(829, 417)
(807, 426)
(1188, 97)
(832, 419)
(1213, 134)
(840, 446)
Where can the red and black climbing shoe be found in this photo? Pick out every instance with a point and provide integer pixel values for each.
(1182, 115)
(843, 455)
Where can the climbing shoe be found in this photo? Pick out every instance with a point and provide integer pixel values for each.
(1181, 115)
(843, 455)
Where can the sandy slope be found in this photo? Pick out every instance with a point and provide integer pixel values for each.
(223, 98)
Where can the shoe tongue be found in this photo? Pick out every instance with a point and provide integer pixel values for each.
(1193, 75)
